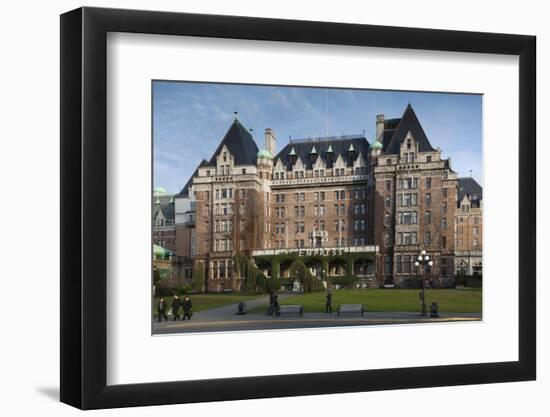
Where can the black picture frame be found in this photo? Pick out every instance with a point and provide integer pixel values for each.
(84, 207)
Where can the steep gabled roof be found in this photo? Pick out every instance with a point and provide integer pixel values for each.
(167, 210)
(335, 146)
(408, 123)
(185, 190)
(469, 186)
(240, 144)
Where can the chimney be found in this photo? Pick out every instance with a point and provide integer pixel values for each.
(379, 127)
(270, 141)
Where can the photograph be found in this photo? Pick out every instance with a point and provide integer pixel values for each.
(284, 207)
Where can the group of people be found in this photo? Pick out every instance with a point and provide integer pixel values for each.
(177, 303)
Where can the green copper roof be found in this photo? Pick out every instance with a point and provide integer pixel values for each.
(351, 148)
(330, 149)
(160, 191)
(292, 151)
(313, 150)
(376, 145)
(264, 153)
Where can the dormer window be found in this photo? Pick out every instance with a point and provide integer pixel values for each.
(409, 144)
(225, 157)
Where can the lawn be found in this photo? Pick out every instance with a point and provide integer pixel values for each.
(207, 301)
(448, 300)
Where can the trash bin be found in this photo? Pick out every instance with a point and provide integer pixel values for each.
(434, 310)
(241, 309)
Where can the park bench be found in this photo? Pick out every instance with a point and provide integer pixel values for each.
(351, 309)
(291, 309)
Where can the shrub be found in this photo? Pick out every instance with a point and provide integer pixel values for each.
(347, 281)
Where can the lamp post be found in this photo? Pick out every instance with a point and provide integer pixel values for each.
(421, 261)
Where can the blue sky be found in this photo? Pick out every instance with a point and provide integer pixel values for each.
(190, 119)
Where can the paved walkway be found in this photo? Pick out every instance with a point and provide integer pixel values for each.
(230, 310)
(224, 319)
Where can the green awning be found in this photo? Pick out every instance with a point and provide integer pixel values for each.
(159, 251)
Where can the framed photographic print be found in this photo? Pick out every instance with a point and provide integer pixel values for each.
(293, 207)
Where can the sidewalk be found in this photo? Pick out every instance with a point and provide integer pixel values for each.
(226, 319)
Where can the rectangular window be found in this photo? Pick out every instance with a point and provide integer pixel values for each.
(443, 242)
(406, 264)
(444, 223)
(388, 185)
(476, 230)
(388, 201)
(428, 183)
(444, 207)
(444, 192)
(476, 242)
(427, 238)
(399, 265)
(428, 199)
(322, 196)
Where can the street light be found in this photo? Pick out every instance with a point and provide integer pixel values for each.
(421, 261)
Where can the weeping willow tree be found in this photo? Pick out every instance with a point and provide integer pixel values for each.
(198, 277)
(254, 280)
(300, 272)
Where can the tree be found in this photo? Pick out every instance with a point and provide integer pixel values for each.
(255, 280)
(198, 277)
(300, 272)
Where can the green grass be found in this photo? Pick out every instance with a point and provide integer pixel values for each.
(448, 300)
(207, 301)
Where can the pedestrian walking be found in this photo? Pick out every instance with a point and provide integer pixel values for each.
(161, 310)
(328, 305)
(276, 305)
(187, 308)
(271, 308)
(176, 307)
